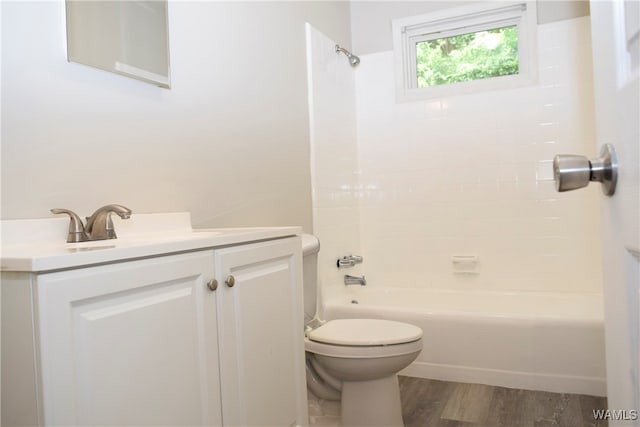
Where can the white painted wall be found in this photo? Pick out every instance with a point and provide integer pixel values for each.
(229, 142)
(471, 175)
(334, 159)
(371, 20)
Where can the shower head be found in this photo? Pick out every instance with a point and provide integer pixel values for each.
(353, 60)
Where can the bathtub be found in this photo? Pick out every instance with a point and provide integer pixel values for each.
(535, 341)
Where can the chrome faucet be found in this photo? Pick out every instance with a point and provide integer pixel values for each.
(99, 225)
(354, 280)
(349, 261)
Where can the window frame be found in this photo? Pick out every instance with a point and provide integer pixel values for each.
(407, 32)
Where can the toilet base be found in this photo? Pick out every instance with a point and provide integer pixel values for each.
(372, 403)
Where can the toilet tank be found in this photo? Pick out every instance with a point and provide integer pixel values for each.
(310, 249)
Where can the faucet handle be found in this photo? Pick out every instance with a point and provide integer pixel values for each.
(349, 261)
(76, 228)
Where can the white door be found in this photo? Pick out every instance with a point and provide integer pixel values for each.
(132, 343)
(616, 55)
(261, 329)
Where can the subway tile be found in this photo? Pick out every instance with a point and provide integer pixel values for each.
(465, 173)
(544, 170)
(549, 37)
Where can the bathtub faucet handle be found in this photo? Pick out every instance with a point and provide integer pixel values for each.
(349, 261)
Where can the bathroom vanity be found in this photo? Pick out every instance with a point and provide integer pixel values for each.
(164, 325)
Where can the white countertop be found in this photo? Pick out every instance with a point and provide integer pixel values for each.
(39, 245)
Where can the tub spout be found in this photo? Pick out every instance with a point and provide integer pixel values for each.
(354, 280)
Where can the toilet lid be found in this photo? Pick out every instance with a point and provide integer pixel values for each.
(364, 332)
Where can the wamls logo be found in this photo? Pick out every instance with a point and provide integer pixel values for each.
(615, 414)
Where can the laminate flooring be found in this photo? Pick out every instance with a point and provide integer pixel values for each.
(433, 403)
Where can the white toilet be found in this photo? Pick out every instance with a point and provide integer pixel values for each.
(355, 360)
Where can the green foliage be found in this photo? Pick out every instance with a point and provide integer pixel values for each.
(467, 57)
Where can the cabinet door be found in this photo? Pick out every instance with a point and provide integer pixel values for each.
(131, 343)
(261, 331)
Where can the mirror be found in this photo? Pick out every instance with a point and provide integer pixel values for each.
(125, 37)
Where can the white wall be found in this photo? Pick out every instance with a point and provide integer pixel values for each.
(371, 20)
(471, 175)
(229, 142)
(334, 157)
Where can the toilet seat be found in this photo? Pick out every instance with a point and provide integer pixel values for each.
(362, 352)
(364, 332)
(364, 338)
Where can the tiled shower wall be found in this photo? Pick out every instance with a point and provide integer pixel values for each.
(410, 185)
(334, 158)
(471, 175)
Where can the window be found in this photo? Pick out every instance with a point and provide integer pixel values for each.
(464, 50)
(465, 57)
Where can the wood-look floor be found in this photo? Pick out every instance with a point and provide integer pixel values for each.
(432, 403)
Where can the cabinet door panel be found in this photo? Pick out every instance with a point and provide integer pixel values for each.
(131, 343)
(261, 335)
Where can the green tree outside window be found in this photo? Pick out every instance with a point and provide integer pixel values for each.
(465, 57)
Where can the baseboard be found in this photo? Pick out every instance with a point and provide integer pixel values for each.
(593, 386)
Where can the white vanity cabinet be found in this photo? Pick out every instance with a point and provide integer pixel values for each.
(132, 343)
(148, 342)
(258, 303)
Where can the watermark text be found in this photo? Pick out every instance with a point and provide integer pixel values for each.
(615, 414)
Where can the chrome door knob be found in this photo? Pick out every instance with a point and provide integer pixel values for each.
(572, 172)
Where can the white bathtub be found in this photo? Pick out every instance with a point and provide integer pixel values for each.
(535, 341)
